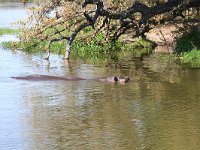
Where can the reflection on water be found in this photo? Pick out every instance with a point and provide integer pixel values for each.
(158, 110)
(150, 112)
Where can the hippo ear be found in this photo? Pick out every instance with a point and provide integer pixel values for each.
(115, 79)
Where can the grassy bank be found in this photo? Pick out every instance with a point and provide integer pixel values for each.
(95, 51)
(188, 48)
(110, 51)
(8, 31)
(191, 58)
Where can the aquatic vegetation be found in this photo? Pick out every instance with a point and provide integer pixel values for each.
(95, 51)
(191, 58)
(99, 50)
(188, 48)
(138, 49)
(8, 31)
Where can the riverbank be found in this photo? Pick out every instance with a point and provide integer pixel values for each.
(94, 51)
(186, 49)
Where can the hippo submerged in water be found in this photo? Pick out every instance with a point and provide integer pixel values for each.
(50, 78)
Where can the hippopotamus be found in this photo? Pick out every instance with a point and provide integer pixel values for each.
(113, 79)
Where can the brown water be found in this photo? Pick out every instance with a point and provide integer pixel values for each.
(158, 110)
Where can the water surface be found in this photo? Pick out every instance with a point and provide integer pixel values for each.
(158, 110)
(10, 12)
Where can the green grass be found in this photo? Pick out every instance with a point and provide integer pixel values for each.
(99, 50)
(140, 48)
(95, 51)
(8, 31)
(111, 51)
(24, 46)
(191, 58)
(188, 48)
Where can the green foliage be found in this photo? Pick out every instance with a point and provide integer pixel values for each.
(191, 58)
(88, 51)
(58, 47)
(188, 47)
(97, 50)
(140, 47)
(188, 41)
(8, 31)
(25, 46)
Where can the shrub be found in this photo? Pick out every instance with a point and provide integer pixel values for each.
(188, 41)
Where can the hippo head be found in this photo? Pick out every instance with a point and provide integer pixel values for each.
(118, 79)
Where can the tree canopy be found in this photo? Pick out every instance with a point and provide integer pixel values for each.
(56, 20)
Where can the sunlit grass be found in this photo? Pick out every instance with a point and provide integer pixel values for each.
(191, 58)
(95, 51)
(188, 48)
(98, 50)
(8, 31)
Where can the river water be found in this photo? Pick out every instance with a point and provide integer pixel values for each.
(158, 110)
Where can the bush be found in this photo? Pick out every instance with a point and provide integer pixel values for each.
(188, 41)
(188, 48)
(98, 49)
